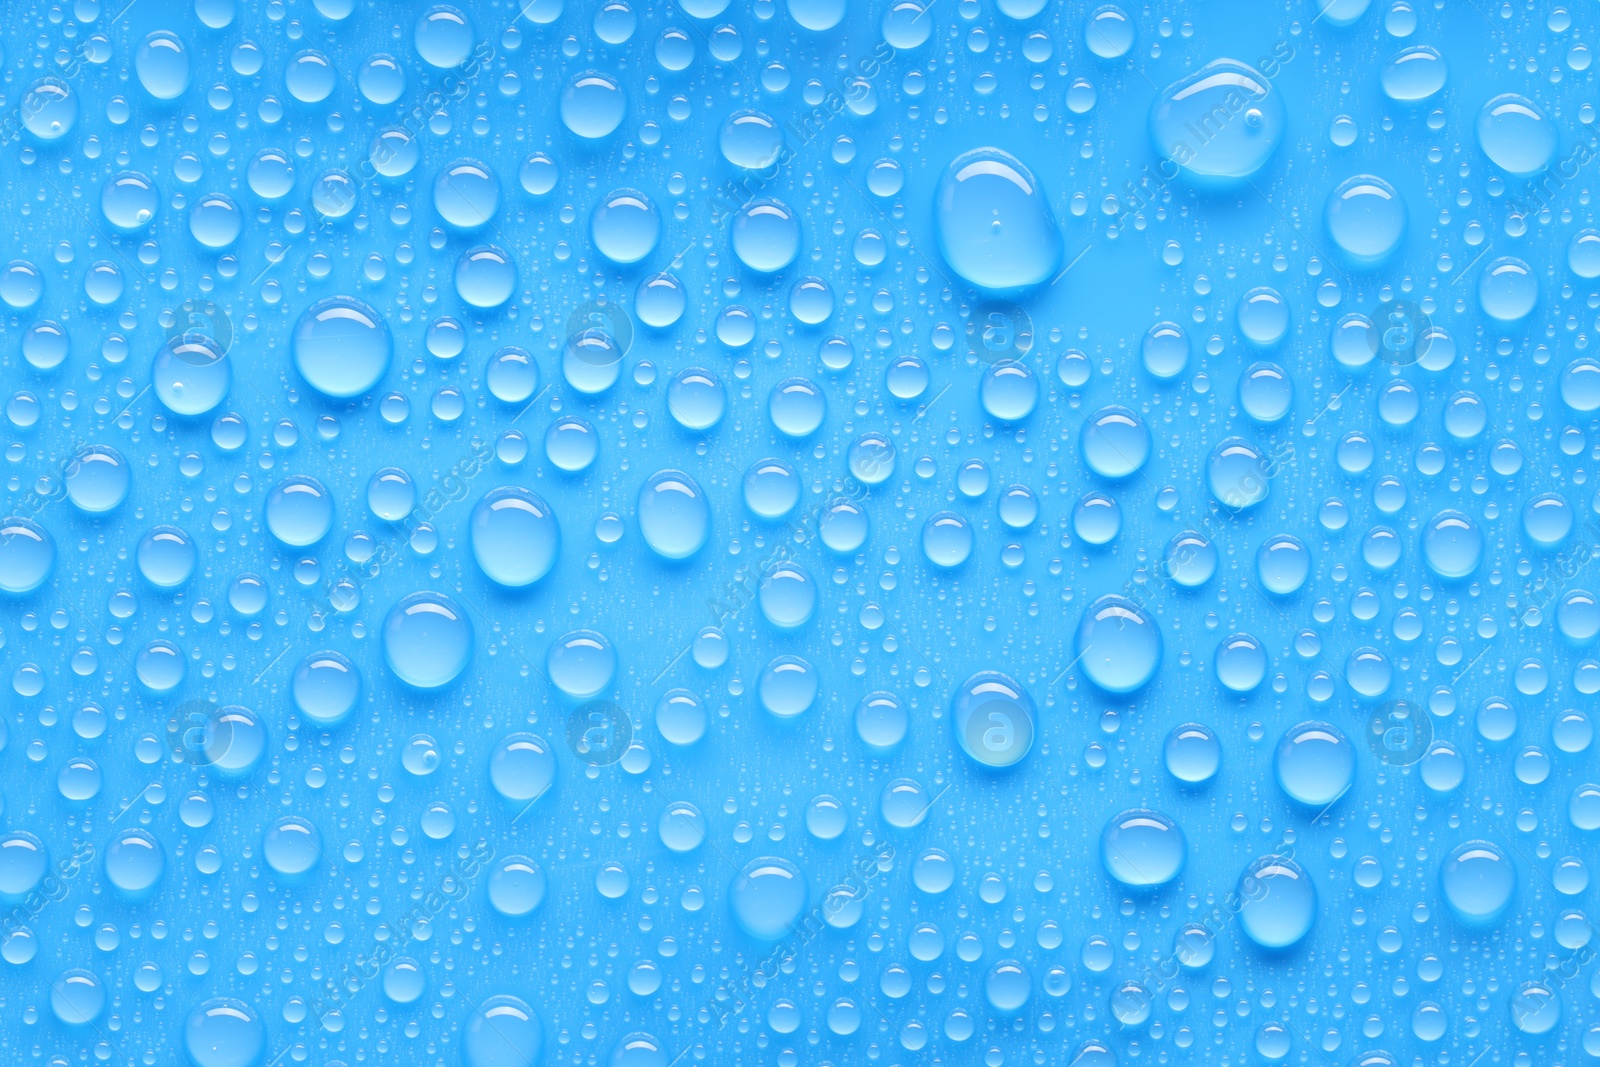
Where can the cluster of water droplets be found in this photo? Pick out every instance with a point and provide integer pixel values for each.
(819, 533)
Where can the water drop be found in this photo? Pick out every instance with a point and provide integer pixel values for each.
(993, 223)
(427, 640)
(1142, 848)
(674, 515)
(1118, 645)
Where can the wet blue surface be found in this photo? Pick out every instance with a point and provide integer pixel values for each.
(792, 534)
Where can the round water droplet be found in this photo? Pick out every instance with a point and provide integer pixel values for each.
(522, 768)
(299, 511)
(23, 861)
(1009, 390)
(660, 301)
(1114, 442)
(1283, 563)
(871, 458)
(516, 887)
(515, 537)
(466, 193)
(843, 526)
(593, 104)
(1547, 519)
(381, 78)
(134, 862)
(1096, 519)
(766, 235)
(947, 539)
(1583, 253)
(191, 374)
(97, 480)
(771, 488)
(27, 555)
(291, 845)
(591, 361)
(571, 444)
(1535, 1009)
(166, 557)
(443, 37)
(1191, 559)
(682, 827)
(881, 720)
(1266, 392)
(1237, 474)
(1452, 544)
(1508, 289)
(77, 997)
(993, 717)
(427, 640)
(1478, 881)
(1366, 217)
(326, 688)
(788, 687)
(310, 76)
(404, 980)
(1108, 31)
(1241, 663)
(696, 399)
(503, 1031)
(907, 24)
(1263, 316)
(625, 226)
(639, 1050)
(485, 277)
(788, 595)
(767, 897)
(513, 375)
(752, 139)
(49, 109)
(341, 347)
(391, 494)
(680, 717)
(1142, 848)
(232, 740)
(1315, 764)
(1118, 645)
(224, 1032)
(581, 664)
(1165, 350)
(797, 407)
(270, 174)
(1007, 987)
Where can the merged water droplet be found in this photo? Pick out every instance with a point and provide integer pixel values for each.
(993, 223)
(1219, 124)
